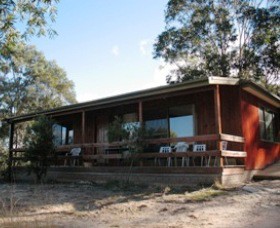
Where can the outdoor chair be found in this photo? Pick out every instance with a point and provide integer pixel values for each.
(164, 149)
(183, 147)
(74, 156)
(200, 148)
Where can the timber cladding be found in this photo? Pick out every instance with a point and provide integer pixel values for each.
(231, 114)
(259, 153)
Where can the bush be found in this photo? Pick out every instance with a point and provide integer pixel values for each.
(40, 148)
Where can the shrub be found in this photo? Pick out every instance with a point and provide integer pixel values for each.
(40, 148)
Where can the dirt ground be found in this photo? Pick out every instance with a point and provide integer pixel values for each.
(87, 204)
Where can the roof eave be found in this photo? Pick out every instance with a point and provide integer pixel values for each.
(261, 92)
(248, 86)
(118, 98)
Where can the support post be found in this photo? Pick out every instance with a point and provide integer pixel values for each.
(11, 143)
(140, 113)
(83, 127)
(140, 117)
(218, 119)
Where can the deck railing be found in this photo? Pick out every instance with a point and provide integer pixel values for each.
(211, 138)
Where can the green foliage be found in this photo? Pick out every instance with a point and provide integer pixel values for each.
(40, 149)
(221, 38)
(20, 19)
(31, 83)
(131, 134)
(116, 131)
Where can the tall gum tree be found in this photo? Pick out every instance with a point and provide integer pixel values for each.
(228, 38)
(32, 83)
(20, 19)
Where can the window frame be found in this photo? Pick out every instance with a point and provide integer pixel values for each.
(165, 113)
(192, 107)
(264, 129)
(63, 135)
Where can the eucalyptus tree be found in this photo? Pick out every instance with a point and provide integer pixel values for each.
(20, 19)
(20, 87)
(239, 38)
(32, 83)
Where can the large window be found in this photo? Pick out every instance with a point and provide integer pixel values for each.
(181, 121)
(157, 128)
(156, 122)
(63, 135)
(175, 121)
(269, 125)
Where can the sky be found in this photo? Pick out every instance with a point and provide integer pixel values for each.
(106, 46)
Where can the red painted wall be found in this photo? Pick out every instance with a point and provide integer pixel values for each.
(259, 153)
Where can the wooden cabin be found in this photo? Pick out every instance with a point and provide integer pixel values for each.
(206, 112)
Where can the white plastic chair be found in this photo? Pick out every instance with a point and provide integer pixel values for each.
(75, 153)
(200, 148)
(164, 149)
(183, 147)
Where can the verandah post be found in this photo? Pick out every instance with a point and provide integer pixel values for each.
(140, 117)
(140, 113)
(218, 119)
(83, 127)
(11, 143)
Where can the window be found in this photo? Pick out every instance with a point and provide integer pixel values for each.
(63, 135)
(156, 122)
(130, 123)
(157, 128)
(269, 125)
(175, 121)
(181, 121)
(70, 136)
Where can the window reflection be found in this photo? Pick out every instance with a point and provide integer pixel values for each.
(71, 136)
(181, 120)
(131, 123)
(269, 125)
(63, 135)
(176, 121)
(157, 128)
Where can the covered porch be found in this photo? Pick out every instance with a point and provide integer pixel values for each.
(198, 115)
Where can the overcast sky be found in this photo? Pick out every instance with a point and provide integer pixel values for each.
(105, 46)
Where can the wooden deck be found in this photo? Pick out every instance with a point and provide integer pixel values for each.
(140, 169)
(201, 167)
(186, 176)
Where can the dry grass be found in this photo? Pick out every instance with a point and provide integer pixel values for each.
(194, 196)
(128, 205)
(205, 194)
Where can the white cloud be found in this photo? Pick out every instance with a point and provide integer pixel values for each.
(161, 72)
(159, 75)
(145, 47)
(87, 96)
(116, 50)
